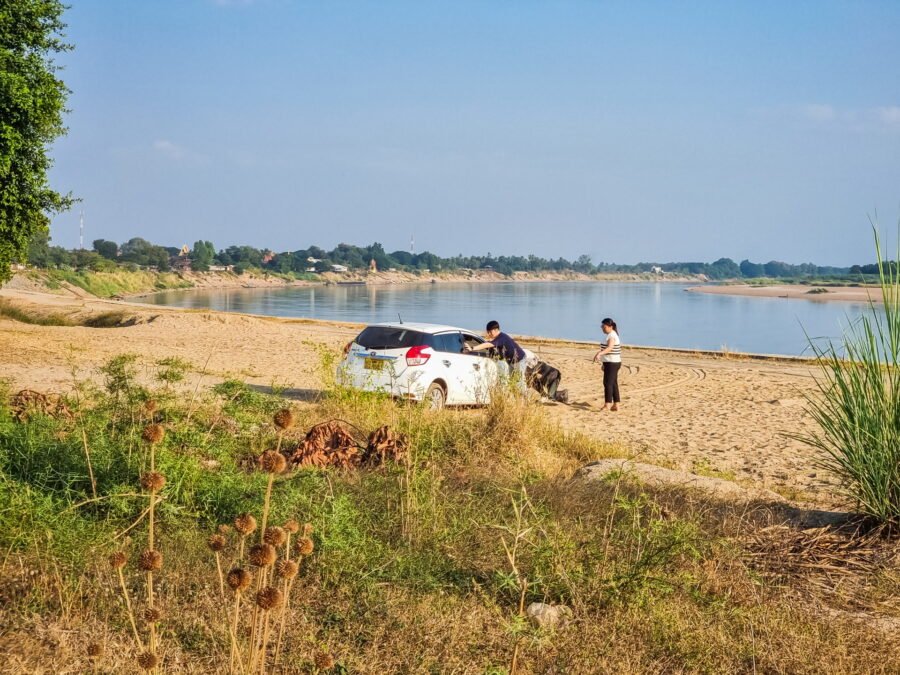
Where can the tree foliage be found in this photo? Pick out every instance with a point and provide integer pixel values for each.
(202, 255)
(32, 103)
(108, 249)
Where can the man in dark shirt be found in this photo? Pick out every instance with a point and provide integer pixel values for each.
(508, 350)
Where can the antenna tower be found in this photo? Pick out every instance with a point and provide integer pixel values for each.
(412, 244)
(81, 231)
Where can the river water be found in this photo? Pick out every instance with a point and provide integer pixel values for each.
(652, 314)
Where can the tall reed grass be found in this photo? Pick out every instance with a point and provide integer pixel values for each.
(857, 406)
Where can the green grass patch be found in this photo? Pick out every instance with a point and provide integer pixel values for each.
(119, 282)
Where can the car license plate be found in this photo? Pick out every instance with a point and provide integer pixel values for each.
(373, 364)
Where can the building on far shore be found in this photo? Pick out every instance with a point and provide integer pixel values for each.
(338, 268)
(180, 263)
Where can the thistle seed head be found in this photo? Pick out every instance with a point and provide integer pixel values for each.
(150, 560)
(287, 569)
(245, 524)
(275, 535)
(147, 660)
(238, 580)
(94, 650)
(262, 555)
(153, 434)
(324, 661)
(272, 462)
(153, 481)
(269, 598)
(224, 529)
(291, 526)
(307, 529)
(284, 419)
(152, 615)
(216, 543)
(117, 560)
(304, 546)
(150, 406)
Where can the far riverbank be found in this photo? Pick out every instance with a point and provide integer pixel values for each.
(123, 283)
(862, 294)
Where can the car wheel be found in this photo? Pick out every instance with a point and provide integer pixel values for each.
(435, 396)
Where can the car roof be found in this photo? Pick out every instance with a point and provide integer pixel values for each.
(422, 327)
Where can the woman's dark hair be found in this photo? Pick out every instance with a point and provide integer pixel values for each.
(609, 322)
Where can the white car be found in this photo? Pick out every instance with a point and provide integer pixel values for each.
(421, 362)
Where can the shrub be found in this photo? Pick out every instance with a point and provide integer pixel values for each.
(858, 404)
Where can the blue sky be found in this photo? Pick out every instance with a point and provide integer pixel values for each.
(630, 131)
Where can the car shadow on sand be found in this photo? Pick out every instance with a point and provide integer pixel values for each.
(307, 395)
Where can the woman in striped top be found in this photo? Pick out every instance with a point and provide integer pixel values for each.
(611, 355)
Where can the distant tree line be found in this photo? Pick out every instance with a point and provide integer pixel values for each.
(140, 253)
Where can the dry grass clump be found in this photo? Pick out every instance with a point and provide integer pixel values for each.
(841, 565)
(327, 444)
(332, 444)
(26, 403)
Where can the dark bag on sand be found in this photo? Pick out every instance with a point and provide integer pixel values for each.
(544, 379)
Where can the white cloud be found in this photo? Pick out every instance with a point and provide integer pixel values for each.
(818, 112)
(879, 118)
(888, 115)
(176, 152)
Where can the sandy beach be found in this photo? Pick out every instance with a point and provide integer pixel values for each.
(712, 415)
(795, 292)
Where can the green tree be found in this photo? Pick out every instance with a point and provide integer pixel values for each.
(158, 257)
(32, 103)
(584, 264)
(724, 268)
(39, 249)
(136, 250)
(108, 249)
(751, 270)
(202, 255)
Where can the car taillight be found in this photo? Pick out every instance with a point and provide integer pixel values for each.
(418, 356)
(347, 348)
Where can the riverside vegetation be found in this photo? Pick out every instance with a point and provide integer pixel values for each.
(122, 507)
(420, 565)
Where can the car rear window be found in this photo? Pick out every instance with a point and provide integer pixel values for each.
(389, 337)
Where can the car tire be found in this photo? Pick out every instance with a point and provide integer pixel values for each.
(435, 396)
